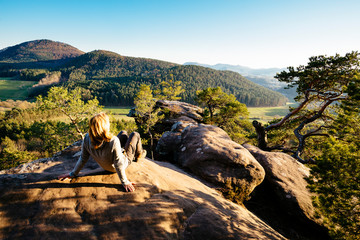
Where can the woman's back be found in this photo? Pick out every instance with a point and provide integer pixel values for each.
(105, 154)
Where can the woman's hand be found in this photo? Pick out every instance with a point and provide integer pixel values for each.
(129, 187)
(64, 177)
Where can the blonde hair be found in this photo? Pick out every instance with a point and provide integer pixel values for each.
(99, 129)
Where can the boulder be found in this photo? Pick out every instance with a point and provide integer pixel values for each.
(176, 109)
(173, 112)
(167, 204)
(167, 146)
(208, 152)
(285, 189)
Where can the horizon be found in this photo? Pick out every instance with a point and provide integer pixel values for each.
(254, 34)
(185, 63)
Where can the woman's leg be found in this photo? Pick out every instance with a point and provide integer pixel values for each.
(133, 146)
(123, 137)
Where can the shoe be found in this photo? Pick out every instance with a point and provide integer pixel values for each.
(141, 156)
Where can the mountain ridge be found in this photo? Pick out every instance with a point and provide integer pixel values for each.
(114, 79)
(243, 70)
(261, 76)
(103, 59)
(38, 50)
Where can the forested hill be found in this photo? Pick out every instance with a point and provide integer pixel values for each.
(261, 76)
(102, 64)
(38, 50)
(114, 79)
(120, 77)
(197, 78)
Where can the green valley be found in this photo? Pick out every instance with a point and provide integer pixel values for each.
(14, 89)
(266, 114)
(114, 79)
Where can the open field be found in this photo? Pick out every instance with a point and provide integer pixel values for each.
(14, 89)
(265, 114)
(11, 88)
(262, 114)
(118, 112)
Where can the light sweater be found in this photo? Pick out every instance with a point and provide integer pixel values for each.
(109, 156)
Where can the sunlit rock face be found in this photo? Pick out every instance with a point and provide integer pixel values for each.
(285, 189)
(168, 204)
(208, 152)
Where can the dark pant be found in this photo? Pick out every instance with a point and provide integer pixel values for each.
(131, 144)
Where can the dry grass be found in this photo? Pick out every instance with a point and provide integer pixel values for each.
(265, 114)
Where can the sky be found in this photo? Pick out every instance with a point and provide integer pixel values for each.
(252, 33)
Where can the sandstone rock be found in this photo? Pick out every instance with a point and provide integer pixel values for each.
(209, 152)
(287, 179)
(167, 204)
(168, 144)
(173, 112)
(176, 109)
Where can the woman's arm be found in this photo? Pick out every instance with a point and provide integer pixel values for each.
(84, 157)
(64, 177)
(120, 164)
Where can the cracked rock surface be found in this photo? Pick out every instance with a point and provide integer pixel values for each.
(167, 204)
(209, 153)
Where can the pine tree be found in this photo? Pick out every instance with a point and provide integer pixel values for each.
(146, 115)
(69, 103)
(222, 107)
(170, 90)
(320, 84)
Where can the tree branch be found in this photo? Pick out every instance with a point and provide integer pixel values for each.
(282, 148)
(261, 135)
(73, 121)
(300, 159)
(314, 133)
(301, 138)
(293, 112)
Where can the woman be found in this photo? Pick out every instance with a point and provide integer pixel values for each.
(106, 150)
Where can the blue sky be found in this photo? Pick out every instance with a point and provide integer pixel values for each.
(253, 33)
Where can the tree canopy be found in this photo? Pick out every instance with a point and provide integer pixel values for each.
(69, 103)
(225, 111)
(321, 85)
(170, 89)
(221, 107)
(326, 126)
(145, 114)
